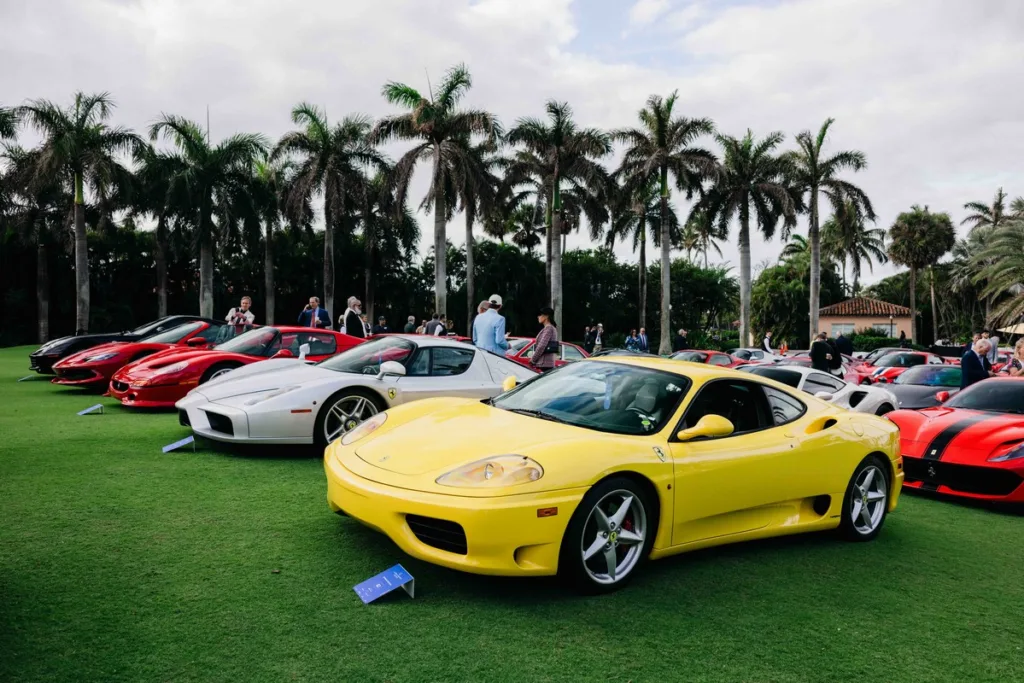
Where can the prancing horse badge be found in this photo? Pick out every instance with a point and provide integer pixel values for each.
(391, 393)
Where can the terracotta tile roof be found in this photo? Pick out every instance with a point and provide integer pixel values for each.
(863, 306)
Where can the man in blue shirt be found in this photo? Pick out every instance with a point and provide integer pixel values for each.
(489, 327)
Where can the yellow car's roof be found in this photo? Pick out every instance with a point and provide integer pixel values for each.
(679, 367)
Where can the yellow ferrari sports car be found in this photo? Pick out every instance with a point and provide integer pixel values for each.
(591, 469)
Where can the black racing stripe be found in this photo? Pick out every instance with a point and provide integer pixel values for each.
(939, 444)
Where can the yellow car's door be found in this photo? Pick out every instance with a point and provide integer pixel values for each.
(728, 485)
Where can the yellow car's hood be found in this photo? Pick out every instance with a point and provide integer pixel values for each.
(458, 433)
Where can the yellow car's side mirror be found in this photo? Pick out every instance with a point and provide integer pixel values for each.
(709, 427)
(509, 384)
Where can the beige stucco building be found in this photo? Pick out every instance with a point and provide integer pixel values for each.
(861, 312)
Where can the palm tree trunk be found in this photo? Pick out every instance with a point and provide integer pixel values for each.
(547, 254)
(42, 289)
(440, 243)
(643, 268)
(815, 239)
(161, 266)
(744, 247)
(268, 273)
(371, 249)
(665, 347)
(913, 305)
(556, 251)
(470, 276)
(935, 312)
(330, 223)
(81, 260)
(205, 262)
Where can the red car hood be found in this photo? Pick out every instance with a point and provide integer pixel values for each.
(968, 437)
(200, 358)
(124, 349)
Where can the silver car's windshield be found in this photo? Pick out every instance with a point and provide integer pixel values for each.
(366, 358)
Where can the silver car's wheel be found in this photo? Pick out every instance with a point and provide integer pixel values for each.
(345, 414)
(867, 500)
(613, 537)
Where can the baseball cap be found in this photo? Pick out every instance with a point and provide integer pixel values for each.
(495, 299)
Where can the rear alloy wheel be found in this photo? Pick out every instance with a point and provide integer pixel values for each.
(867, 500)
(341, 414)
(609, 535)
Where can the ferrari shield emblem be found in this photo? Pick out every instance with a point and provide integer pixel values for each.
(391, 393)
(660, 453)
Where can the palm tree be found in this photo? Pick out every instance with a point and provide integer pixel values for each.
(441, 130)
(216, 181)
(796, 247)
(151, 195)
(918, 239)
(706, 235)
(813, 174)
(846, 237)
(985, 216)
(558, 152)
(37, 210)
(332, 162)
(269, 187)
(477, 191)
(750, 184)
(660, 147)
(1003, 271)
(388, 228)
(1017, 207)
(8, 123)
(637, 211)
(78, 142)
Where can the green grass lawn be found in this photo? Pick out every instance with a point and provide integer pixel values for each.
(118, 562)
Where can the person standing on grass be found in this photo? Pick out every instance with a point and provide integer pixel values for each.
(643, 345)
(680, 343)
(546, 347)
(351, 319)
(410, 326)
(598, 338)
(821, 354)
(314, 316)
(632, 342)
(766, 343)
(972, 365)
(489, 328)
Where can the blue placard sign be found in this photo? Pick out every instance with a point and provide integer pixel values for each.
(385, 582)
(178, 444)
(98, 408)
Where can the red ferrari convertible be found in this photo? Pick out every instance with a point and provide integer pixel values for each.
(520, 349)
(710, 357)
(163, 378)
(970, 446)
(95, 366)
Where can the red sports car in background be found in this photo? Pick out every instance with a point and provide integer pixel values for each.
(158, 381)
(95, 366)
(710, 357)
(890, 366)
(970, 446)
(520, 349)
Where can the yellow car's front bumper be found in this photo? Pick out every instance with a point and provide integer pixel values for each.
(503, 535)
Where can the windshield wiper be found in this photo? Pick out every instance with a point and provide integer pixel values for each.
(536, 413)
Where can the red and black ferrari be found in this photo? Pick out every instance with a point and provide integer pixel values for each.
(95, 366)
(972, 445)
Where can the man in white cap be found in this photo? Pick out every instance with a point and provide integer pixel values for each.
(489, 328)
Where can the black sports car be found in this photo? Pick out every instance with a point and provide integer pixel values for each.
(42, 359)
(916, 388)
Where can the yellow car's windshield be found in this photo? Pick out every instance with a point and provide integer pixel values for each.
(608, 397)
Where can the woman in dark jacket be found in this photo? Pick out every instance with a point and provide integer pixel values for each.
(545, 348)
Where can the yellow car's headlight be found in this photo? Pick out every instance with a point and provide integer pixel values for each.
(365, 429)
(495, 471)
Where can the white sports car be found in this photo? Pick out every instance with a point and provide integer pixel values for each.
(857, 397)
(286, 401)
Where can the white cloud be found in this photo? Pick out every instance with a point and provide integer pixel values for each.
(928, 91)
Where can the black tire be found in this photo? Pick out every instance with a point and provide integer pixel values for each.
(884, 409)
(572, 568)
(853, 529)
(319, 437)
(215, 369)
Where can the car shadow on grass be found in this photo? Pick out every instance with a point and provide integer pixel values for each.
(1009, 509)
(257, 451)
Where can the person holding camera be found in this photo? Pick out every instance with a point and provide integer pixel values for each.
(314, 316)
(546, 349)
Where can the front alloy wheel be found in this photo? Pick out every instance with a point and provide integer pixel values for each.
(608, 536)
(344, 415)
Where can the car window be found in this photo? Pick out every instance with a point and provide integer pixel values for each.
(784, 407)
(320, 344)
(742, 403)
(174, 335)
(757, 355)
(831, 384)
(900, 360)
(570, 352)
(719, 359)
(213, 334)
(690, 356)
(932, 376)
(607, 397)
(366, 358)
(252, 343)
(991, 395)
(446, 362)
(419, 366)
(787, 377)
(742, 354)
(516, 345)
(528, 353)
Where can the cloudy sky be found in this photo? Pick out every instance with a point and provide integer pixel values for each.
(928, 90)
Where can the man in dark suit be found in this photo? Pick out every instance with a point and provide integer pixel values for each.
(972, 365)
(821, 354)
(680, 343)
(644, 345)
(844, 344)
(314, 316)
